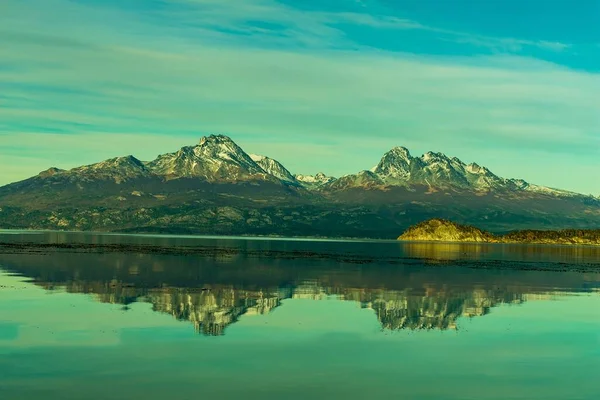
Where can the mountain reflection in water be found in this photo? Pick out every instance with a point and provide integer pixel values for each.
(213, 308)
(214, 292)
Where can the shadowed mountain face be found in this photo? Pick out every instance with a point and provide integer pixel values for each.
(402, 283)
(215, 187)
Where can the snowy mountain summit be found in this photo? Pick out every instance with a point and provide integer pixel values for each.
(314, 181)
(398, 168)
(216, 157)
(273, 167)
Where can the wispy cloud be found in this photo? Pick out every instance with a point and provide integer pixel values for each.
(270, 18)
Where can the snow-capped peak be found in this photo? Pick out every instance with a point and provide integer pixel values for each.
(221, 147)
(398, 167)
(216, 139)
(396, 164)
(216, 157)
(273, 167)
(401, 151)
(314, 181)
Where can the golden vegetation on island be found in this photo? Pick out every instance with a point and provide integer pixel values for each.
(446, 231)
(566, 236)
(442, 230)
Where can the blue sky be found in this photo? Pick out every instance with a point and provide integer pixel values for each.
(325, 85)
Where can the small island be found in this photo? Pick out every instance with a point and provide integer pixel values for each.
(441, 230)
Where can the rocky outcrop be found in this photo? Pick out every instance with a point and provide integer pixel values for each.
(440, 230)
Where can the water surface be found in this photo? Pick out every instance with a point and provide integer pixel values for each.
(181, 317)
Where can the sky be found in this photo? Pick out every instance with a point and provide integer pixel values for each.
(320, 85)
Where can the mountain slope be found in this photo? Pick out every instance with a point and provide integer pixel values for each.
(273, 167)
(363, 179)
(216, 187)
(397, 167)
(117, 170)
(216, 171)
(215, 158)
(314, 181)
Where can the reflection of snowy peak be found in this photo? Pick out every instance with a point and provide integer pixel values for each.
(213, 309)
(273, 167)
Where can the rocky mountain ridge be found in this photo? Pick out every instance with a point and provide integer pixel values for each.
(398, 167)
(215, 187)
(217, 158)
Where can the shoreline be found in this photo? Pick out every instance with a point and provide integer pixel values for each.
(200, 236)
(557, 244)
(301, 238)
(295, 256)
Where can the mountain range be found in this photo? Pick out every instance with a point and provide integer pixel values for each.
(215, 187)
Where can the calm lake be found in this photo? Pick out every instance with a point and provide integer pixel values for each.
(90, 316)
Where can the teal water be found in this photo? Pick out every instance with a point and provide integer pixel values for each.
(295, 319)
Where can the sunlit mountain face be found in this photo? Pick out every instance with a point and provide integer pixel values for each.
(407, 286)
(215, 187)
